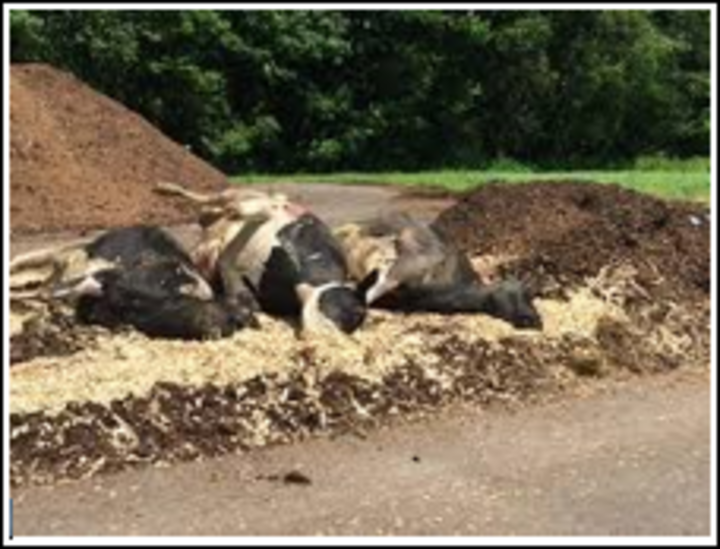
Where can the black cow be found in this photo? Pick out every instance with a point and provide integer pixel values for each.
(143, 297)
(403, 264)
(142, 277)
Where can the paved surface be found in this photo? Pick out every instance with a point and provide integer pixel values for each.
(339, 203)
(631, 460)
(333, 203)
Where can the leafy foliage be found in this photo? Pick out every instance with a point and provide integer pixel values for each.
(372, 90)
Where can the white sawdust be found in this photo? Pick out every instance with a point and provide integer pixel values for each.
(130, 364)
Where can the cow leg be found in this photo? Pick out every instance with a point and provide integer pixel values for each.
(235, 287)
(39, 267)
(234, 277)
(41, 258)
(173, 189)
(219, 200)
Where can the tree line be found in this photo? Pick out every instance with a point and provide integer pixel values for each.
(281, 91)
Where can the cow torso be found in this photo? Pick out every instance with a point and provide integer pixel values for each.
(278, 254)
(303, 252)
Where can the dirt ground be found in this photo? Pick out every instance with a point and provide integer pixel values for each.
(621, 281)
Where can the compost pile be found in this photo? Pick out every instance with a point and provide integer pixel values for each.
(557, 234)
(648, 256)
(80, 160)
(622, 281)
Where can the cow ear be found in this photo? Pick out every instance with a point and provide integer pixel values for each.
(366, 284)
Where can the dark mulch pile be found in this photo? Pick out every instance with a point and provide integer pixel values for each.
(56, 332)
(563, 232)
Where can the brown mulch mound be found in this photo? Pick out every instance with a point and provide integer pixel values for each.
(560, 233)
(80, 160)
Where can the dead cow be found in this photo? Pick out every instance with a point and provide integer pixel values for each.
(403, 264)
(267, 247)
(139, 276)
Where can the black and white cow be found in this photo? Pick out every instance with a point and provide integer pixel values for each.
(403, 264)
(139, 276)
(266, 247)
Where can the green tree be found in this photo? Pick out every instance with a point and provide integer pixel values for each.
(328, 90)
(27, 36)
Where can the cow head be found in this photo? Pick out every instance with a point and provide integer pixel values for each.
(512, 302)
(331, 307)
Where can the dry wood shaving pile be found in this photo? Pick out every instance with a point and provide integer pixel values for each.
(118, 399)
